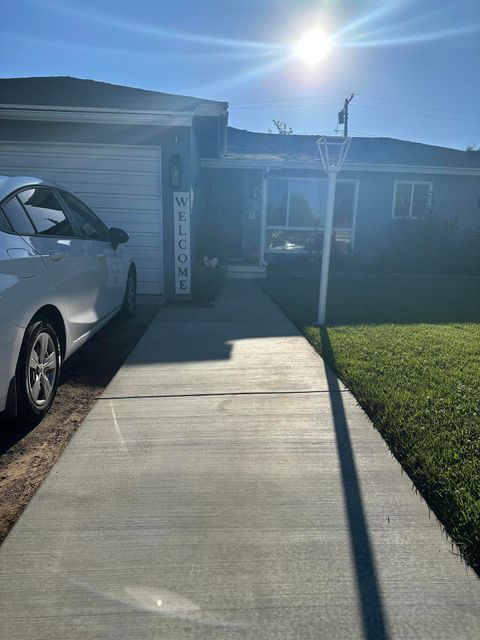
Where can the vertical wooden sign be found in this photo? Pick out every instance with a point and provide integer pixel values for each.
(181, 217)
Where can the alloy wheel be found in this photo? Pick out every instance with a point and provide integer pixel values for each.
(42, 369)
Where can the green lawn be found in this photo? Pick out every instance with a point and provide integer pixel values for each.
(409, 350)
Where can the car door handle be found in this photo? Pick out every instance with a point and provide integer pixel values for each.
(101, 256)
(56, 256)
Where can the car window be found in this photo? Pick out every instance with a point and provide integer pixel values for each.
(17, 217)
(45, 212)
(4, 223)
(86, 221)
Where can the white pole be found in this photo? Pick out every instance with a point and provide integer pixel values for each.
(327, 242)
(263, 221)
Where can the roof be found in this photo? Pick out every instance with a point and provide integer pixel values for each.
(65, 91)
(12, 183)
(250, 146)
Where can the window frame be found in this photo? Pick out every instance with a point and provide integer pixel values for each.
(319, 228)
(412, 184)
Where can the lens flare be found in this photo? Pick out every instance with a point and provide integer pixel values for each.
(313, 47)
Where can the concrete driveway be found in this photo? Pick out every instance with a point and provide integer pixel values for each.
(226, 486)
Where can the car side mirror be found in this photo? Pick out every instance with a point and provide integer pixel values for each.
(117, 236)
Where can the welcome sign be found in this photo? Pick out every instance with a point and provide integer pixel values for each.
(181, 221)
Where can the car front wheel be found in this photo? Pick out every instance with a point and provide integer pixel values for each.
(130, 298)
(38, 371)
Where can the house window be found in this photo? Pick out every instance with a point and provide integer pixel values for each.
(296, 213)
(411, 199)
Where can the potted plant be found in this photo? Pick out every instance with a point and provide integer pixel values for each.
(208, 276)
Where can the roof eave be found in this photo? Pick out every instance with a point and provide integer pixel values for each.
(233, 163)
(94, 115)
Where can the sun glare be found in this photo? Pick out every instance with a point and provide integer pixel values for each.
(313, 47)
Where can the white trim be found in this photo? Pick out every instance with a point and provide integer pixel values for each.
(319, 228)
(15, 144)
(101, 116)
(210, 110)
(231, 163)
(355, 208)
(39, 107)
(412, 184)
(263, 219)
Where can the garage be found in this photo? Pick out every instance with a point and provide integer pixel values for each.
(121, 183)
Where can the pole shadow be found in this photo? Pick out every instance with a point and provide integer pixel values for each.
(372, 611)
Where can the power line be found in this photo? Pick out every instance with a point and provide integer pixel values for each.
(313, 102)
(289, 100)
(284, 106)
(287, 105)
(412, 113)
(417, 106)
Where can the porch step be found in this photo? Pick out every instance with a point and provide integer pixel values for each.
(246, 271)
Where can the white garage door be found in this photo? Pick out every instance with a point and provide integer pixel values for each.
(122, 184)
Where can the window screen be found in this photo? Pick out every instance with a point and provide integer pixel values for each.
(420, 201)
(344, 204)
(412, 199)
(307, 198)
(402, 200)
(277, 202)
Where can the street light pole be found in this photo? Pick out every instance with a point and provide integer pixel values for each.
(327, 243)
(333, 152)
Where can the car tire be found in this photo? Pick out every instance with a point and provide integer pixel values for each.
(38, 371)
(130, 297)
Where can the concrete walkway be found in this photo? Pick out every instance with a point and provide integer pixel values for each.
(226, 486)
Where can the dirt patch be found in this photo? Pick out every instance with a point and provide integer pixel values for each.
(27, 455)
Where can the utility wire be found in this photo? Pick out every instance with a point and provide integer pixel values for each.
(313, 102)
(417, 106)
(254, 102)
(412, 113)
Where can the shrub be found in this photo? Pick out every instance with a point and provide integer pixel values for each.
(430, 245)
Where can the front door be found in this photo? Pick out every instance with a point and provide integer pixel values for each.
(224, 213)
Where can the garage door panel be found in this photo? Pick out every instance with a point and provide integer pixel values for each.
(83, 164)
(114, 202)
(73, 163)
(148, 277)
(122, 184)
(85, 150)
(132, 220)
(101, 180)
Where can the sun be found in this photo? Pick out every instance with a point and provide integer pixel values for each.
(313, 47)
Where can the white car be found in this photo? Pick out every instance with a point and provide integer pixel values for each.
(63, 275)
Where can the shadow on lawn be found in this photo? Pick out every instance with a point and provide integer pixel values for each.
(380, 300)
(373, 619)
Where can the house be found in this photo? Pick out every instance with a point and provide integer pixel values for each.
(170, 171)
(269, 192)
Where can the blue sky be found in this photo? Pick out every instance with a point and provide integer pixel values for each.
(412, 64)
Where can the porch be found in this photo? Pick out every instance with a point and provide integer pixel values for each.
(254, 218)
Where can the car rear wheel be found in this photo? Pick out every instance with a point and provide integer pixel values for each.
(130, 298)
(38, 371)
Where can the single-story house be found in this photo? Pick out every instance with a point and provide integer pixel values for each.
(171, 172)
